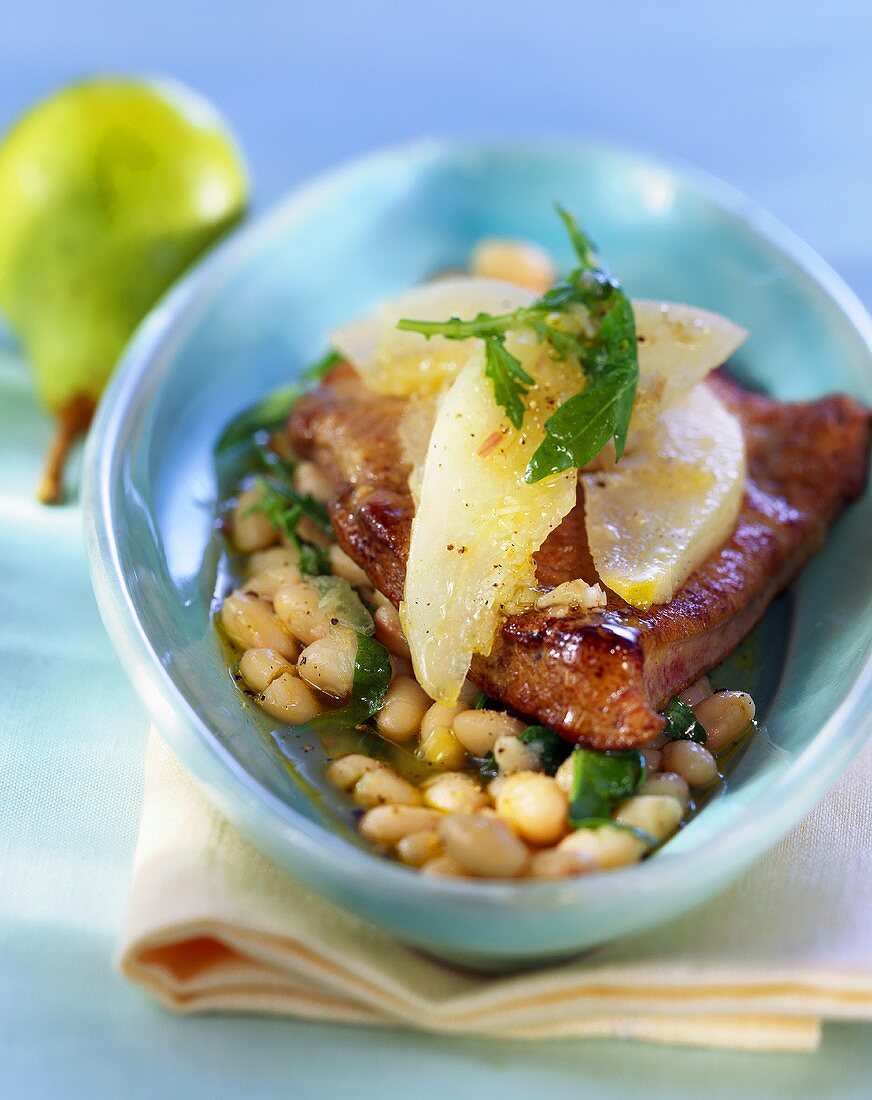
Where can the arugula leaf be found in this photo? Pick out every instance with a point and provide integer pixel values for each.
(552, 749)
(600, 781)
(584, 424)
(681, 723)
(587, 316)
(266, 415)
(508, 378)
(582, 244)
(283, 505)
(483, 325)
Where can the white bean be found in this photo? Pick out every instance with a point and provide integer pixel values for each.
(389, 631)
(724, 716)
(290, 700)
(251, 624)
(328, 663)
(444, 865)
(403, 710)
(700, 689)
(560, 863)
(534, 806)
(389, 824)
(251, 530)
(513, 755)
(455, 792)
(297, 607)
(382, 786)
(438, 744)
(417, 848)
(342, 566)
(652, 759)
(667, 783)
(346, 771)
(520, 262)
(657, 815)
(564, 774)
(605, 847)
(691, 761)
(478, 730)
(401, 667)
(310, 479)
(484, 845)
(259, 667)
(269, 581)
(495, 786)
(276, 557)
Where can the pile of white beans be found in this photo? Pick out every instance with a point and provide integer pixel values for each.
(297, 663)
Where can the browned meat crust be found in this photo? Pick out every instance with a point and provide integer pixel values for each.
(599, 676)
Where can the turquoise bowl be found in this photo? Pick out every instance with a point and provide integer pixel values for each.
(256, 311)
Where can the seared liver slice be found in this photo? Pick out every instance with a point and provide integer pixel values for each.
(600, 676)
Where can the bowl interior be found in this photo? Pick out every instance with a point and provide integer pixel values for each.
(258, 312)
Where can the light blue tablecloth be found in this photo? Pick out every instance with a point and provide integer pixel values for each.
(774, 97)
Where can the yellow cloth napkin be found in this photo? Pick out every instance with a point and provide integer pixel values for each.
(212, 925)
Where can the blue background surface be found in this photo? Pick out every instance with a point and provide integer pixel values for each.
(772, 96)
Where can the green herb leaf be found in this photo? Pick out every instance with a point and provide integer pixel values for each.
(600, 781)
(322, 366)
(586, 316)
(681, 723)
(552, 749)
(481, 701)
(483, 325)
(342, 605)
(284, 507)
(487, 766)
(583, 424)
(372, 674)
(509, 379)
(582, 244)
(313, 559)
(372, 678)
(267, 415)
(279, 500)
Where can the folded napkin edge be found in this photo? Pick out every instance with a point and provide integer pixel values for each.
(178, 955)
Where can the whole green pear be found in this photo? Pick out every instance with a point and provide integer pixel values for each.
(108, 190)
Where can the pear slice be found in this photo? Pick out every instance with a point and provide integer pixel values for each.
(404, 363)
(678, 344)
(670, 503)
(478, 523)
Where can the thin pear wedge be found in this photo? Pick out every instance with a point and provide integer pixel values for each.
(478, 521)
(670, 503)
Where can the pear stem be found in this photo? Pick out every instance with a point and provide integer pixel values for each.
(73, 419)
